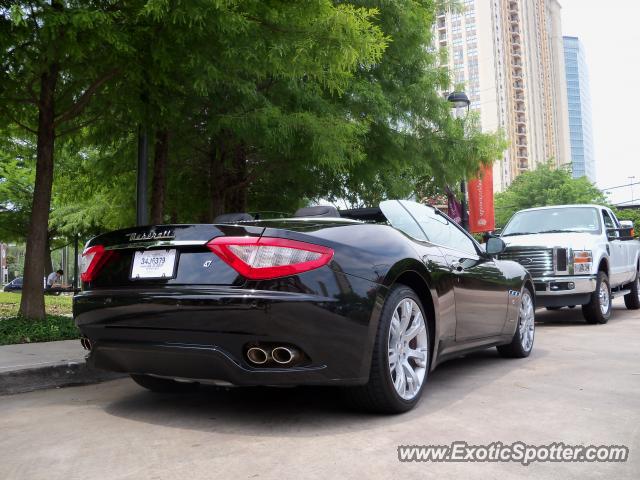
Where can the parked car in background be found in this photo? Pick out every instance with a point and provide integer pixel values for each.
(577, 255)
(371, 299)
(14, 285)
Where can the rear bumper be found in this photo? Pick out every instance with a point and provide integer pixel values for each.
(203, 333)
(566, 290)
(205, 363)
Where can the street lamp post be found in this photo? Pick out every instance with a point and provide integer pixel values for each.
(461, 103)
(631, 179)
(75, 261)
(142, 212)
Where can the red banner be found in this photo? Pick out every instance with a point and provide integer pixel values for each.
(481, 213)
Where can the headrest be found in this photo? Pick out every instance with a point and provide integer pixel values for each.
(319, 211)
(232, 217)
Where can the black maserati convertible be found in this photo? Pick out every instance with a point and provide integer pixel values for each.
(370, 299)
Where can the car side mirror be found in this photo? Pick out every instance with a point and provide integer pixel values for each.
(626, 233)
(627, 230)
(495, 245)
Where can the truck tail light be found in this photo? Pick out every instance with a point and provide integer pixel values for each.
(93, 259)
(261, 258)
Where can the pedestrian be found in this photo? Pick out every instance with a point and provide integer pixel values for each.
(54, 278)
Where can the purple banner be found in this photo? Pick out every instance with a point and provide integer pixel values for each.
(454, 206)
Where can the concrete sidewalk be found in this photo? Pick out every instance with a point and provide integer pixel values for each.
(33, 366)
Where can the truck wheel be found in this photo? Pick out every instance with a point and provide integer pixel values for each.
(632, 299)
(598, 310)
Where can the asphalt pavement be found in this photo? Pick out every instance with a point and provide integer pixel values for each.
(581, 385)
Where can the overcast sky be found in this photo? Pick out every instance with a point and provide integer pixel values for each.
(610, 33)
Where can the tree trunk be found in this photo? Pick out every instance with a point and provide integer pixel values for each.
(159, 184)
(48, 262)
(237, 182)
(216, 181)
(32, 301)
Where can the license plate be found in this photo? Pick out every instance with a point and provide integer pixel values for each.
(153, 264)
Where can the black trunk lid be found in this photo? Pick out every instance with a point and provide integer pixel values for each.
(195, 264)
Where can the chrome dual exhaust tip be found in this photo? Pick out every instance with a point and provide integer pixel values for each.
(86, 343)
(284, 355)
(257, 355)
(280, 355)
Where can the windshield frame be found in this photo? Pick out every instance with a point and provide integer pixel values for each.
(505, 230)
(437, 212)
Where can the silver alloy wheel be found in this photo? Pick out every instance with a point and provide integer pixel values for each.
(408, 348)
(527, 321)
(603, 295)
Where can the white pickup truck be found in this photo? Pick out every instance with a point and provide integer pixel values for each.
(577, 255)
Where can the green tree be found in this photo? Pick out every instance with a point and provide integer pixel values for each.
(629, 214)
(216, 58)
(268, 113)
(412, 142)
(94, 188)
(56, 58)
(384, 131)
(545, 185)
(16, 187)
(17, 173)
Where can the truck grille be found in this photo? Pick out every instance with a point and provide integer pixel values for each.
(539, 261)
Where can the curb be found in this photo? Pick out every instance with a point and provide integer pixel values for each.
(58, 375)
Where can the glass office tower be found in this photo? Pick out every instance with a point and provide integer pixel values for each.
(579, 102)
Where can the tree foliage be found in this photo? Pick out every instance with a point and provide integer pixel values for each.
(543, 186)
(16, 187)
(56, 58)
(632, 214)
(412, 140)
(249, 136)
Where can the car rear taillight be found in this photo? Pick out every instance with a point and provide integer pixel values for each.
(93, 259)
(261, 258)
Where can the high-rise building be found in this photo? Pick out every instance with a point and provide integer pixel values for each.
(509, 56)
(579, 109)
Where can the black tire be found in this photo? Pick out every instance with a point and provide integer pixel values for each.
(632, 299)
(163, 385)
(553, 309)
(379, 394)
(517, 348)
(592, 312)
